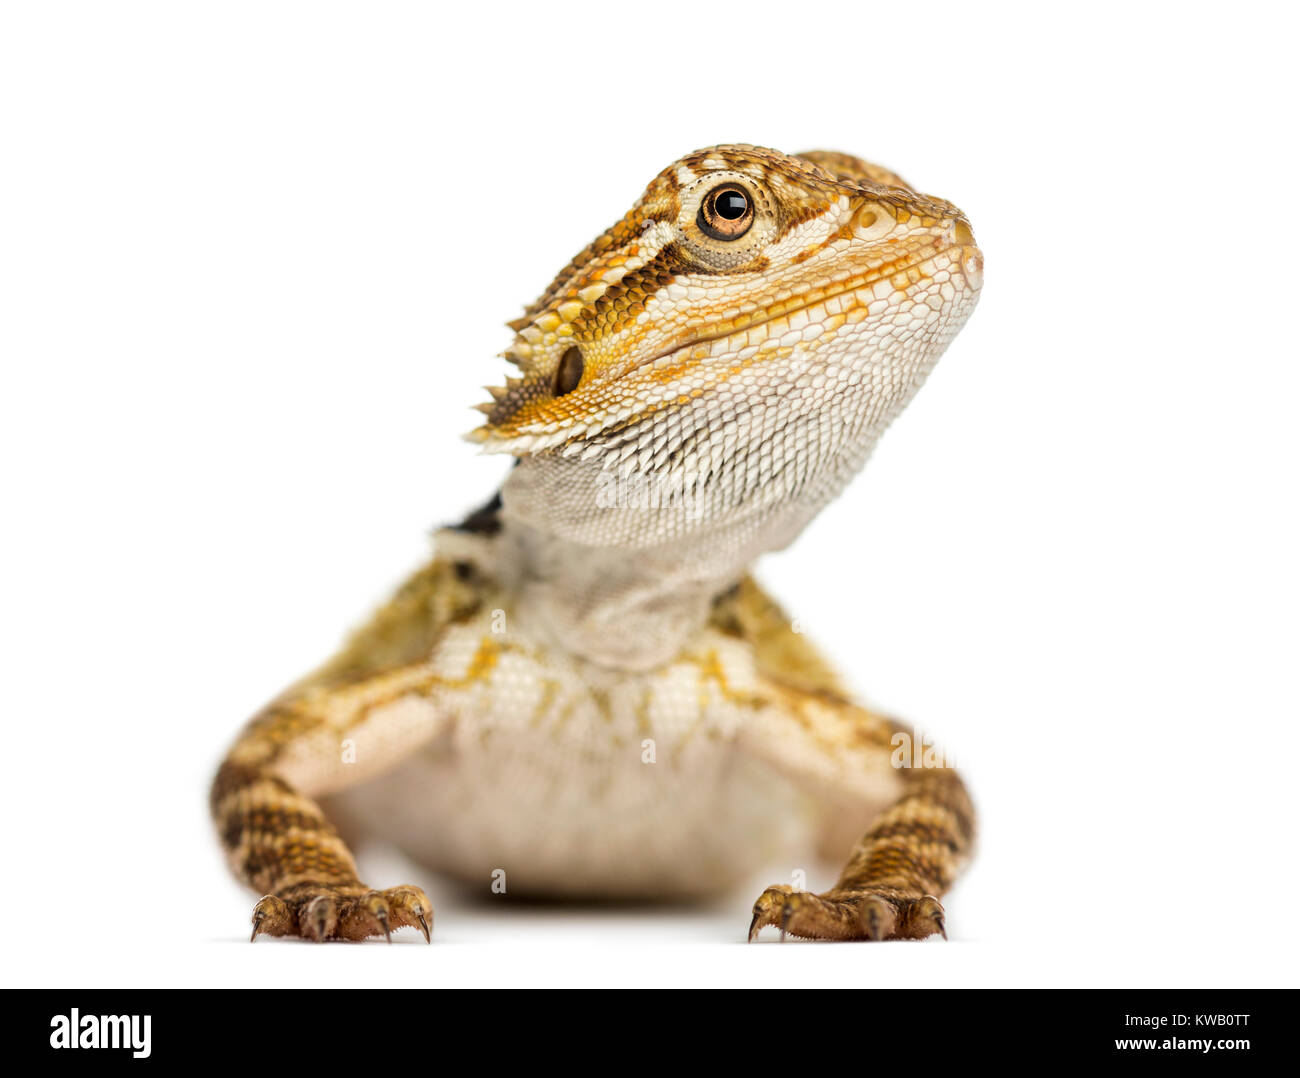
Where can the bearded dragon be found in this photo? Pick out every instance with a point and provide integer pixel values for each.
(584, 692)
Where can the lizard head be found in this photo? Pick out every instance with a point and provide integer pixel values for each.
(749, 327)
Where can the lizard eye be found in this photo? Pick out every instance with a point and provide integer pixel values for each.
(726, 212)
(569, 373)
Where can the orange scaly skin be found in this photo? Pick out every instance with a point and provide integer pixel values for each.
(584, 691)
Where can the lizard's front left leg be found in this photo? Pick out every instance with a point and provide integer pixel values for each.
(845, 757)
(890, 887)
(276, 837)
(908, 857)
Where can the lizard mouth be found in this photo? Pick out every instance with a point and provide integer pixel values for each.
(538, 433)
(968, 257)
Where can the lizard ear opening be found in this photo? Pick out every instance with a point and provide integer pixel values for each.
(569, 371)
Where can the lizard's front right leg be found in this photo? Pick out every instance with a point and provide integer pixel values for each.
(276, 837)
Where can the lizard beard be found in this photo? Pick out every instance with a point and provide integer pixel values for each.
(621, 567)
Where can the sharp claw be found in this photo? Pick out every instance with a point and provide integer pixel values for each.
(322, 916)
(878, 918)
(424, 927)
(786, 911)
(270, 918)
(382, 918)
(943, 931)
(753, 927)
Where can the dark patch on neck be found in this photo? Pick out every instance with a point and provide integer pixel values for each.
(485, 520)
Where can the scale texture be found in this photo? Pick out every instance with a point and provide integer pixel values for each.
(584, 693)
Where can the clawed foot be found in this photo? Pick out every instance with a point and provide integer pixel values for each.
(847, 915)
(321, 911)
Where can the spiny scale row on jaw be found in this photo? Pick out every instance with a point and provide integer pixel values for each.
(814, 207)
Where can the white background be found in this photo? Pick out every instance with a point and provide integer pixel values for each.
(254, 265)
